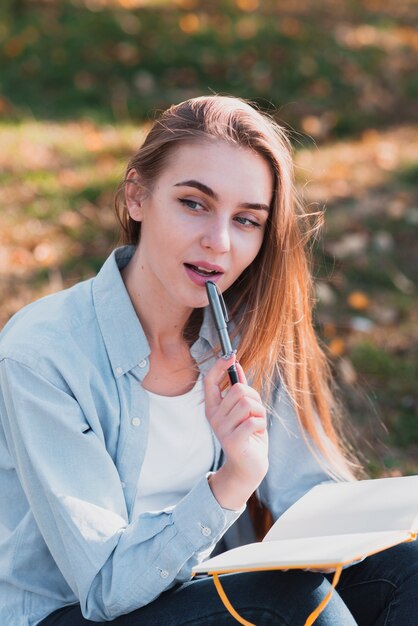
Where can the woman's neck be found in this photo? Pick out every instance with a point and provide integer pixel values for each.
(162, 325)
(170, 333)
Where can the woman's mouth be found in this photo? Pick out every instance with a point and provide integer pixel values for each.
(203, 271)
(199, 274)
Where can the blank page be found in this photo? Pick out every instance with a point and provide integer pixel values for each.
(384, 504)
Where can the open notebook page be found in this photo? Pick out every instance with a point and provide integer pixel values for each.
(307, 552)
(385, 504)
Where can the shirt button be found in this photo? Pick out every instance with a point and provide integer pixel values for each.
(119, 370)
(123, 484)
(163, 573)
(206, 531)
(136, 421)
(143, 363)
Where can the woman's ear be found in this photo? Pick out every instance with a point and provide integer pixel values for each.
(134, 194)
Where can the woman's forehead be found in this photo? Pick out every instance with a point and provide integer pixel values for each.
(217, 160)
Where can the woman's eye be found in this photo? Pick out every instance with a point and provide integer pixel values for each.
(191, 204)
(245, 221)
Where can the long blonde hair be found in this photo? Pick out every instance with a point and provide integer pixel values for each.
(272, 300)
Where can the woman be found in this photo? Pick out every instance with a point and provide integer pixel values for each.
(125, 457)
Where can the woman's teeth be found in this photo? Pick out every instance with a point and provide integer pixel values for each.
(203, 271)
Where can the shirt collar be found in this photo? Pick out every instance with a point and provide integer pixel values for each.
(207, 329)
(122, 333)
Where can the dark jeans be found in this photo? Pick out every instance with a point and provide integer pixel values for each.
(380, 591)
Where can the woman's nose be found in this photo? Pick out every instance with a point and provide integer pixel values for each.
(217, 237)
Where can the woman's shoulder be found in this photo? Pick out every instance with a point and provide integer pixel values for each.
(47, 324)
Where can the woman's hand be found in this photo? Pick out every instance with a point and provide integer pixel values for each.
(239, 422)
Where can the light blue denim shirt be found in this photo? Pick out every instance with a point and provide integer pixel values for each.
(73, 433)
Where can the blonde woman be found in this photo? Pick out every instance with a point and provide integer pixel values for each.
(125, 457)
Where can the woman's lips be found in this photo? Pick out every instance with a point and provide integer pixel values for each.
(200, 278)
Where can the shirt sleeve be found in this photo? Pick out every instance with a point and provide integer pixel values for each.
(73, 488)
(295, 465)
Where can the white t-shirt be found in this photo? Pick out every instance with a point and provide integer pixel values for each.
(180, 449)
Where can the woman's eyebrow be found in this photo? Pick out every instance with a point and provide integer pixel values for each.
(197, 185)
(257, 206)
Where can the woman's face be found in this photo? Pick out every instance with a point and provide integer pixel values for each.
(205, 218)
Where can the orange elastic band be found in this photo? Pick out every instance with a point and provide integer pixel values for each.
(312, 617)
(227, 603)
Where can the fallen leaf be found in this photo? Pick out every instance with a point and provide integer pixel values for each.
(358, 300)
(337, 346)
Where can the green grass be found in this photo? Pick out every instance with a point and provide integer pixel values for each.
(60, 60)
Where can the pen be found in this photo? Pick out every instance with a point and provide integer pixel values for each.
(220, 316)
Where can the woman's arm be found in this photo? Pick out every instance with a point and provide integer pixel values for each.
(74, 492)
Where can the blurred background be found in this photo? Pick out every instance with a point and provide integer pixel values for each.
(81, 79)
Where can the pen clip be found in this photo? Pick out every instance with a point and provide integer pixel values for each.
(222, 303)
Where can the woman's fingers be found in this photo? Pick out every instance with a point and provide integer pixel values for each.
(226, 411)
(251, 426)
(252, 431)
(213, 380)
(235, 394)
(245, 408)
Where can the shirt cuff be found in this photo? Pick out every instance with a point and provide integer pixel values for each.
(199, 517)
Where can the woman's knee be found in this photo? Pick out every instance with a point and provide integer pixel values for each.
(395, 566)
